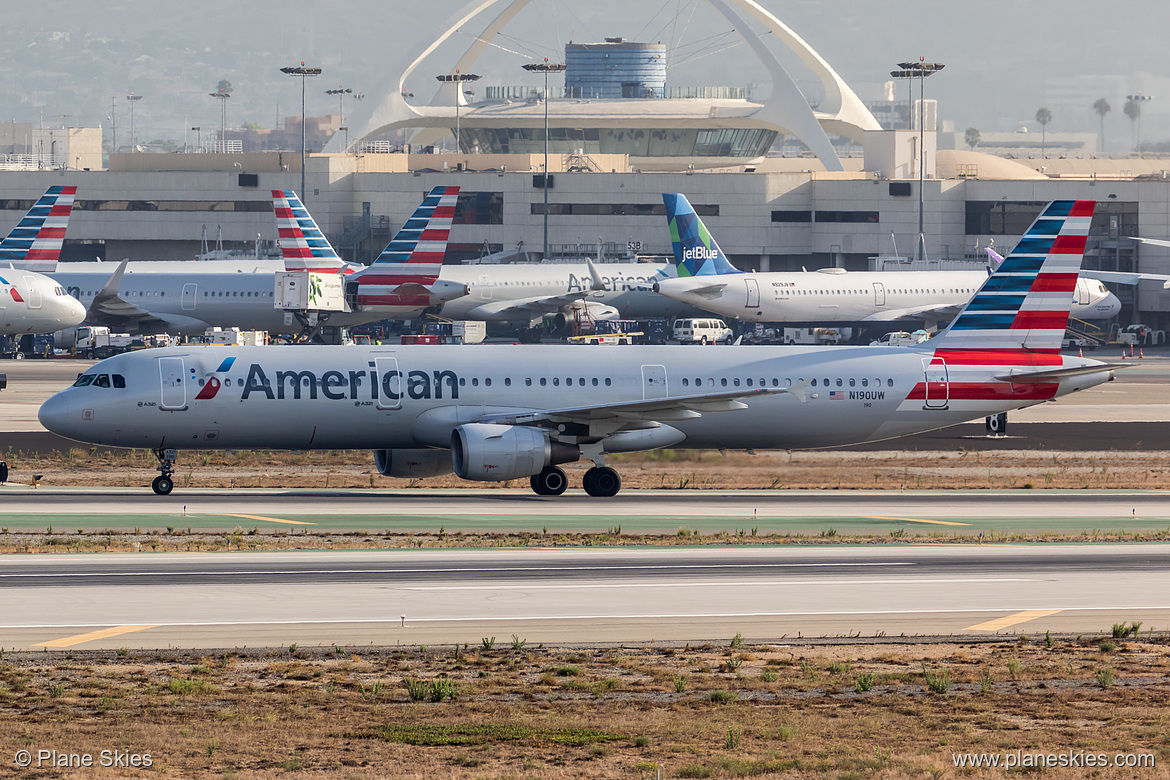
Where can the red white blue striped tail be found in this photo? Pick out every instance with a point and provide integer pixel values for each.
(1024, 305)
(302, 243)
(35, 243)
(414, 257)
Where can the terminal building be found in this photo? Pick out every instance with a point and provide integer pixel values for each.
(619, 136)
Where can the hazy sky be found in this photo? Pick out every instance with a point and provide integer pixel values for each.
(1004, 59)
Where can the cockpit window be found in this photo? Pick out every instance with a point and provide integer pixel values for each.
(103, 380)
(84, 380)
(119, 380)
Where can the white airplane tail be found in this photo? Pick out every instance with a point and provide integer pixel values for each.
(302, 244)
(1025, 303)
(35, 243)
(411, 262)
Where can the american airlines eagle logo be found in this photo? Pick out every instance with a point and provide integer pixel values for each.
(213, 384)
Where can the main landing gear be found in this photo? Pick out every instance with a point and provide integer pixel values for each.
(164, 483)
(599, 481)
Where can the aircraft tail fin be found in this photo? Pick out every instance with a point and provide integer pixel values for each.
(696, 252)
(302, 244)
(1025, 303)
(35, 243)
(414, 257)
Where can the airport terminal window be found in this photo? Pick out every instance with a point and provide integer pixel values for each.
(792, 216)
(617, 209)
(174, 205)
(869, 217)
(479, 208)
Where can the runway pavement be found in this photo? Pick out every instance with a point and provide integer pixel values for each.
(965, 513)
(586, 596)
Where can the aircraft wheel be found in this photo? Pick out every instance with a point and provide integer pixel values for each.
(549, 482)
(602, 482)
(162, 485)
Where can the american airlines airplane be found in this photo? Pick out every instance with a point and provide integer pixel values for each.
(185, 298)
(31, 302)
(502, 412)
(708, 280)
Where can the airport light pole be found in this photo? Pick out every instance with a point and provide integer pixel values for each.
(222, 96)
(1136, 101)
(546, 68)
(920, 70)
(133, 99)
(458, 78)
(304, 73)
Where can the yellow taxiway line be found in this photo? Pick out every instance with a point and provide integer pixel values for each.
(917, 520)
(270, 519)
(1011, 620)
(70, 641)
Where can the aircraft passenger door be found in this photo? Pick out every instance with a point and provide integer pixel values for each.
(34, 292)
(484, 288)
(879, 294)
(938, 389)
(653, 382)
(173, 374)
(391, 385)
(753, 293)
(1082, 292)
(190, 293)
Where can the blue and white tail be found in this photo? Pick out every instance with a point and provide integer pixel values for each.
(411, 262)
(302, 244)
(695, 251)
(1025, 303)
(35, 243)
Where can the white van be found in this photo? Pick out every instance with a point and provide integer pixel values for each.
(701, 331)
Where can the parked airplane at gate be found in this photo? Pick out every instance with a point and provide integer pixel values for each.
(708, 280)
(187, 298)
(31, 302)
(504, 412)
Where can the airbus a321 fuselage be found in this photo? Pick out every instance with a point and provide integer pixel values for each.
(495, 413)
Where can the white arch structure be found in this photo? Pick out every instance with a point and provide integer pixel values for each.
(786, 110)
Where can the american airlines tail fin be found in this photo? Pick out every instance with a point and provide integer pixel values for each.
(695, 251)
(1025, 303)
(35, 243)
(302, 243)
(408, 269)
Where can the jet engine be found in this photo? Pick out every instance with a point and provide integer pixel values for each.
(417, 464)
(492, 453)
(587, 310)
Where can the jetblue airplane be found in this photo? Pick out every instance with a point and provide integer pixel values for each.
(31, 302)
(186, 298)
(502, 412)
(708, 280)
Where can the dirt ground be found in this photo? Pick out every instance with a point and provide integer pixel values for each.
(665, 469)
(497, 708)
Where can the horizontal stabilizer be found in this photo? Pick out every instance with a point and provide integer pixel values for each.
(1060, 373)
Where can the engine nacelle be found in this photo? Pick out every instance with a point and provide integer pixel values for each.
(416, 464)
(493, 453)
(590, 310)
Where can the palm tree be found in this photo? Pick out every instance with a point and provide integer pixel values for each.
(972, 137)
(1043, 116)
(1101, 106)
(1133, 110)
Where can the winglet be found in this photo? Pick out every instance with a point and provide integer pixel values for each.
(35, 243)
(695, 251)
(302, 243)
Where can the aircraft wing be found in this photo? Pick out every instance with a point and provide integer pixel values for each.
(527, 307)
(919, 313)
(611, 417)
(1121, 277)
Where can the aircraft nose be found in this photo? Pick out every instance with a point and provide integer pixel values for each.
(54, 414)
(74, 312)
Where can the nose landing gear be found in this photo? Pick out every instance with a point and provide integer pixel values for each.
(164, 483)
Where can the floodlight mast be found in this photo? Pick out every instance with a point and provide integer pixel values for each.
(304, 73)
(546, 68)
